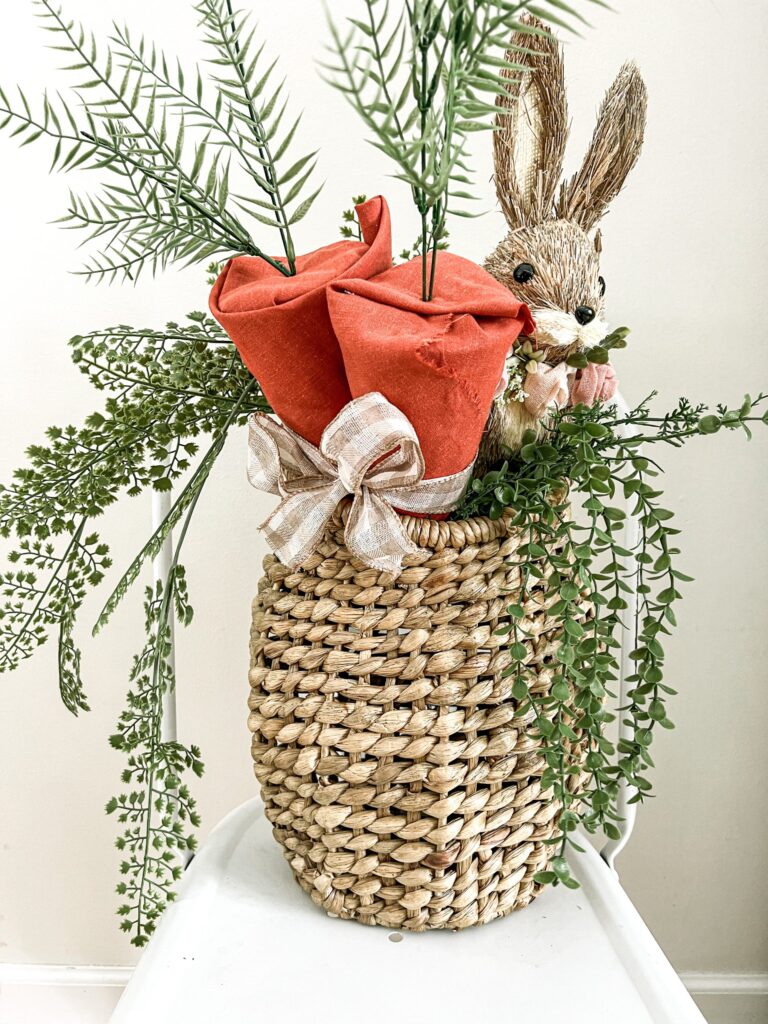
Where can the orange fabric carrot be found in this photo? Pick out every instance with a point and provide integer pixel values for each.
(281, 326)
(439, 362)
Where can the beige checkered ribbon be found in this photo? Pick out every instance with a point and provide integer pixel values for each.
(371, 451)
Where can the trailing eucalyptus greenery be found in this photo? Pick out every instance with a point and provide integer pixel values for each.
(596, 459)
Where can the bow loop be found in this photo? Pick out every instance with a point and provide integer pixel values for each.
(371, 451)
(372, 441)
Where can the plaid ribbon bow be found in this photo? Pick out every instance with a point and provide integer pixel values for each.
(371, 451)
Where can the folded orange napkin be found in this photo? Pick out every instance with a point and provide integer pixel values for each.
(439, 362)
(281, 326)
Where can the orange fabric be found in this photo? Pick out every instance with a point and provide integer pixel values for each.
(439, 362)
(281, 326)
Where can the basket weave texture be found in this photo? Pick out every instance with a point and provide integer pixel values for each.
(401, 785)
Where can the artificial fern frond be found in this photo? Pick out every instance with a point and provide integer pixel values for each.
(155, 208)
(260, 163)
(424, 82)
(184, 503)
(164, 389)
(157, 812)
(257, 108)
(46, 589)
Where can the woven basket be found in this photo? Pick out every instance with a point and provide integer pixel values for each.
(400, 784)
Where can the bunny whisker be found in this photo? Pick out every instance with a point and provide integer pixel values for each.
(554, 329)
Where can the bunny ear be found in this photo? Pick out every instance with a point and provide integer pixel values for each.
(612, 153)
(531, 126)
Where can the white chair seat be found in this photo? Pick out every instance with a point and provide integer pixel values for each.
(243, 944)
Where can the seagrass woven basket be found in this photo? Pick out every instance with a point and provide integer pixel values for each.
(401, 785)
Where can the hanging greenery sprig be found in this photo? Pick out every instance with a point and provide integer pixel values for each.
(592, 457)
(166, 389)
(158, 812)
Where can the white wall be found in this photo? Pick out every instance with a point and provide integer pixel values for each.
(686, 264)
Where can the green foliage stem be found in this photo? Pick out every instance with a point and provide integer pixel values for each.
(131, 118)
(164, 390)
(157, 811)
(424, 77)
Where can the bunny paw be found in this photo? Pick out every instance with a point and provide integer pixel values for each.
(595, 383)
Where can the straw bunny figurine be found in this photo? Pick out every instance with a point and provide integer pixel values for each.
(551, 257)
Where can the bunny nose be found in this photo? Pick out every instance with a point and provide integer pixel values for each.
(584, 314)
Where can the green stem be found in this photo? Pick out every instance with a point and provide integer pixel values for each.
(691, 432)
(262, 144)
(436, 232)
(151, 769)
(423, 209)
(187, 497)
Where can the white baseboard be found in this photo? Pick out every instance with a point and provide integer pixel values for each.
(94, 976)
(82, 976)
(87, 994)
(735, 998)
(44, 993)
(712, 983)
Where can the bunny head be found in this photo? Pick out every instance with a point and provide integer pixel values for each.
(554, 267)
(551, 257)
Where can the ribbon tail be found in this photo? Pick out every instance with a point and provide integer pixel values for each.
(263, 454)
(296, 527)
(375, 533)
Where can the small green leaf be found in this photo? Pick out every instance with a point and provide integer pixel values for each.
(545, 877)
(560, 691)
(578, 360)
(599, 355)
(710, 424)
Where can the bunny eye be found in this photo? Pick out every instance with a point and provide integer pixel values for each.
(523, 273)
(601, 285)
